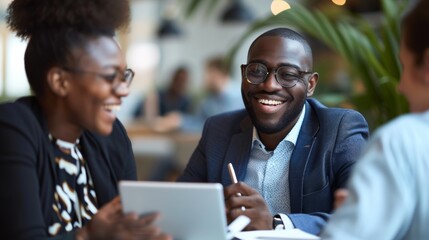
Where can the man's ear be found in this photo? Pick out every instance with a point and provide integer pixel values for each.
(312, 82)
(243, 70)
(57, 81)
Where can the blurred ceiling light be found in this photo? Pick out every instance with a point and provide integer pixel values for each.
(278, 6)
(148, 51)
(339, 2)
(236, 11)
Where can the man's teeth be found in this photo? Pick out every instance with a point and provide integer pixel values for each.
(112, 107)
(270, 102)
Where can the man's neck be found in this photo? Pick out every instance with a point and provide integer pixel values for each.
(271, 141)
(58, 124)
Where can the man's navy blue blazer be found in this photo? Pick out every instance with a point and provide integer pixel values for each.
(329, 143)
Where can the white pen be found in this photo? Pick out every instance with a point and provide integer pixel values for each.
(234, 180)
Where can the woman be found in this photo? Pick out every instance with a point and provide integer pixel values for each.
(388, 191)
(63, 151)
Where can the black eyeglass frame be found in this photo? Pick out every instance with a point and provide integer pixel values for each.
(107, 77)
(270, 70)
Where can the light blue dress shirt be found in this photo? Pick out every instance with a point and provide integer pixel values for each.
(389, 188)
(268, 171)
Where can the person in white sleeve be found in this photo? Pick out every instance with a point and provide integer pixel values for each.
(388, 193)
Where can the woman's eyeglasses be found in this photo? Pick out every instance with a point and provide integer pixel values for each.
(115, 78)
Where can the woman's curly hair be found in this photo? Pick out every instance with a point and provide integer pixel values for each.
(55, 27)
(27, 17)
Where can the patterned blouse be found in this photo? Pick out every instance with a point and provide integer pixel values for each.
(75, 200)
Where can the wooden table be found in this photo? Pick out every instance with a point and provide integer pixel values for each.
(151, 148)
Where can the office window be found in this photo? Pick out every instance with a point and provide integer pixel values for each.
(16, 80)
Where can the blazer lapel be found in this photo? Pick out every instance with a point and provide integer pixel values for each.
(299, 158)
(238, 152)
(100, 170)
(32, 103)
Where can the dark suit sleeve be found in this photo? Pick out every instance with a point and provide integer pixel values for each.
(196, 169)
(20, 212)
(352, 134)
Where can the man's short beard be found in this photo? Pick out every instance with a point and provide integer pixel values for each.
(283, 122)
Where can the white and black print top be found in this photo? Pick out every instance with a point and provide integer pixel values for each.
(75, 200)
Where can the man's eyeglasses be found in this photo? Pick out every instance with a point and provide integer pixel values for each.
(115, 78)
(286, 76)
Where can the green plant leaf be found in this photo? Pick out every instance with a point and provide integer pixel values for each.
(192, 6)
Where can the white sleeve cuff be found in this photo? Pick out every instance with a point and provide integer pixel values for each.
(287, 223)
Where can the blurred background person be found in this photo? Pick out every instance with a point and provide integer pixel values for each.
(388, 192)
(174, 98)
(220, 95)
(62, 150)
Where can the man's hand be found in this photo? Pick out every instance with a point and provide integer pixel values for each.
(111, 223)
(255, 206)
(340, 197)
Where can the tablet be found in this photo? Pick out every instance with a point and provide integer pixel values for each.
(189, 211)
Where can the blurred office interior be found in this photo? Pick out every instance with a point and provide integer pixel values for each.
(162, 37)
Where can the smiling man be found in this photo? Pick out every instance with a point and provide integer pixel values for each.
(290, 153)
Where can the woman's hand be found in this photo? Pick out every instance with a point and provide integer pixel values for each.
(111, 223)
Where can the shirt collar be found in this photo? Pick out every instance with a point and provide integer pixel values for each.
(292, 135)
(62, 143)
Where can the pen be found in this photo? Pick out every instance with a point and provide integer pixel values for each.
(232, 173)
(234, 180)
